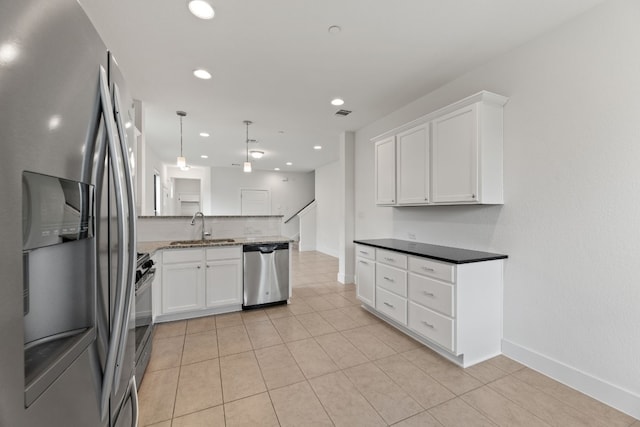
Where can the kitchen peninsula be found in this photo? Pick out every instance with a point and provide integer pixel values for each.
(196, 277)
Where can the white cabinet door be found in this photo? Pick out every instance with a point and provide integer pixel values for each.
(366, 277)
(413, 165)
(182, 287)
(385, 173)
(455, 156)
(224, 282)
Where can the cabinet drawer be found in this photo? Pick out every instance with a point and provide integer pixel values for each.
(365, 252)
(392, 279)
(434, 326)
(391, 258)
(439, 270)
(392, 305)
(181, 255)
(432, 294)
(224, 252)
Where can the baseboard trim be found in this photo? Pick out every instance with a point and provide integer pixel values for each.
(346, 278)
(610, 394)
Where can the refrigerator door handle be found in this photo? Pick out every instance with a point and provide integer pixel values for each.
(114, 339)
(131, 238)
(134, 403)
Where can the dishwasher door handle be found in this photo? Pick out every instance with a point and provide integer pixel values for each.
(267, 249)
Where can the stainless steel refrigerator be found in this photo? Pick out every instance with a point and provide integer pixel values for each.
(67, 234)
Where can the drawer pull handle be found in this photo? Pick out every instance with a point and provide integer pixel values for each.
(390, 259)
(429, 294)
(388, 305)
(364, 262)
(427, 324)
(428, 269)
(388, 279)
(364, 252)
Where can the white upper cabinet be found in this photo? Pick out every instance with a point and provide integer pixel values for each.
(386, 171)
(450, 156)
(413, 165)
(455, 156)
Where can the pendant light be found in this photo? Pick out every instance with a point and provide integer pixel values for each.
(182, 161)
(247, 163)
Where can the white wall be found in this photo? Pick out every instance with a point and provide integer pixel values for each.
(328, 219)
(290, 191)
(571, 219)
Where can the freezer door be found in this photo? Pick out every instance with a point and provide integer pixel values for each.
(49, 92)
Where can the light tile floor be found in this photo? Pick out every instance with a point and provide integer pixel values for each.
(322, 360)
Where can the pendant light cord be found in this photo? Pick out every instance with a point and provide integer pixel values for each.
(247, 142)
(181, 136)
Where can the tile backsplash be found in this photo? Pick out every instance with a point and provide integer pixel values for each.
(221, 227)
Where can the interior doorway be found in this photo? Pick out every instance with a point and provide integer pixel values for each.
(255, 202)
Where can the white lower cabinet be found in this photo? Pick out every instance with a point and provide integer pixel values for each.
(455, 309)
(200, 281)
(434, 326)
(366, 274)
(391, 305)
(182, 281)
(223, 277)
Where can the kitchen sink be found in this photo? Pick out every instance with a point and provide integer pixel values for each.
(200, 242)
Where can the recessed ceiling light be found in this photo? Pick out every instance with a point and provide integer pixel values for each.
(334, 29)
(337, 101)
(204, 134)
(317, 147)
(204, 156)
(201, 9)
(201, 73)
(289, 163)
(276, 169)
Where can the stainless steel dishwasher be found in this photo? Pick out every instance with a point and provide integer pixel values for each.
(266, 274)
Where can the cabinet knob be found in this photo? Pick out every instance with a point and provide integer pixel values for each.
(199, 267)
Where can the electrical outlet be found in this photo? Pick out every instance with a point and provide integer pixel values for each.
(412, 236)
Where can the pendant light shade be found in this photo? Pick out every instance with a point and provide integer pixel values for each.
(181, 162)
(247, 163)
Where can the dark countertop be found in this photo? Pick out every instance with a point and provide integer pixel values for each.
(440, 253)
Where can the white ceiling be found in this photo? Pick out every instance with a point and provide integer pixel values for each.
(275, 63)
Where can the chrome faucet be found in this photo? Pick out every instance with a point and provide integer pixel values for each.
(193, 222)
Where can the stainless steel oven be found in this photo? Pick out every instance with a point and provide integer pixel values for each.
(145, 272)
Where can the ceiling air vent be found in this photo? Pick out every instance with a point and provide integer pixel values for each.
(343, 113)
